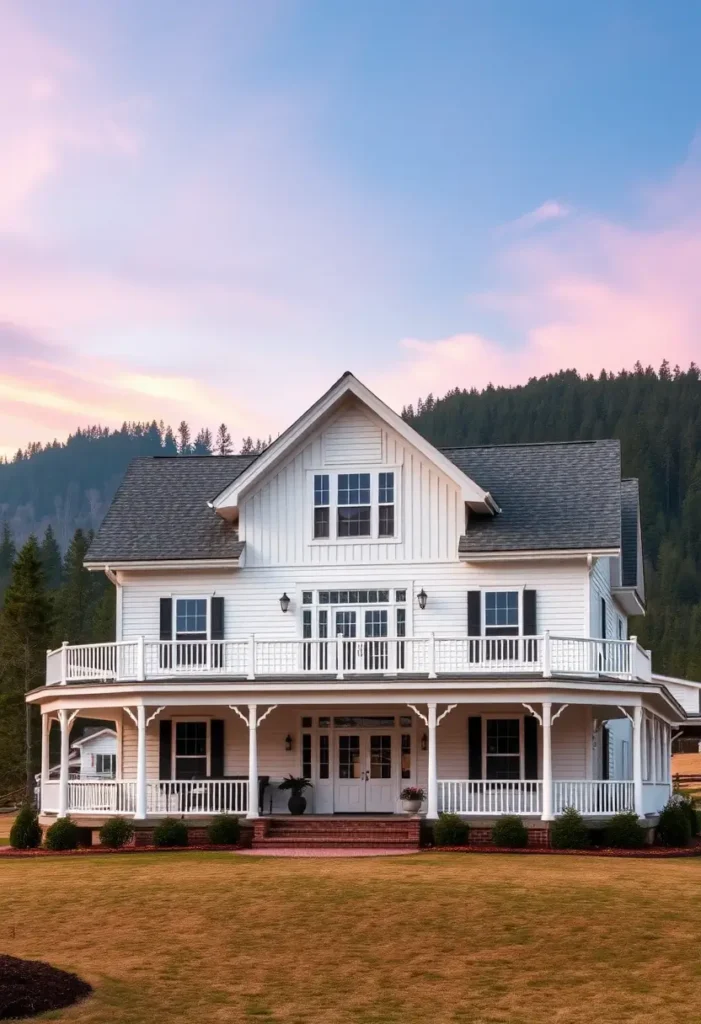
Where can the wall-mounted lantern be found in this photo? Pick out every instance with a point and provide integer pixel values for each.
(288, 742)
(422, 598)
(424, 741)
(284, 602)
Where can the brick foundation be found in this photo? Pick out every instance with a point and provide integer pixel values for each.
(482, 836)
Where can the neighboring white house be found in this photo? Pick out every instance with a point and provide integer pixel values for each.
(97, 752)
(360, 607)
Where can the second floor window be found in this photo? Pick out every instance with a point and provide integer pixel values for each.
(191, 618)
(501, 613)
(354, 508)
(321, 505)
(386, 504)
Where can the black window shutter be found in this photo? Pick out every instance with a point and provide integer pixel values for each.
(603, 618)
(216, 756)
(166, 618)
(530, 620)
(474, 613)
(165, 749)
(217, 609)
(605, 747)
(474, 747)
(530, 747)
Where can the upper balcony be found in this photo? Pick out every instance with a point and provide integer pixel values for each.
(433, 656)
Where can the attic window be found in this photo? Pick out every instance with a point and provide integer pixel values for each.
(354, 507)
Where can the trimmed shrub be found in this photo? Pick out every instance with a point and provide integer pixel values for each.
(116, 832)
(25, 833)
(450, 830)
(62, 835)
(689, 808)
(510, 831)
(170, 832)
(673, 828)
(624, 832)
(225, 830)
(568, 832)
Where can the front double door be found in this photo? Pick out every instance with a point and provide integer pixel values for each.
(364, 632)
(364, 771)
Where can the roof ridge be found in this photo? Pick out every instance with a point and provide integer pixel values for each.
(528, 444)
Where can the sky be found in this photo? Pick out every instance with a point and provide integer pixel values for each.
(210, 211)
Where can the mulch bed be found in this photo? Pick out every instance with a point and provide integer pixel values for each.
(85, 851)
(647, 852)
(28, 987)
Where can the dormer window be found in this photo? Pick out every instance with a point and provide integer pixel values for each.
(354, 506)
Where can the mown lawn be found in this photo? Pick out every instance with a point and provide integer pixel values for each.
(430, 938)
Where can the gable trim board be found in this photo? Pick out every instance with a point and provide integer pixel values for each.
(227, 501)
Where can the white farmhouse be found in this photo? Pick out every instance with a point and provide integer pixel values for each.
(361, 608)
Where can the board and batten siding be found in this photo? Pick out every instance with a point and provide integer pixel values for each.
(276, 518)
(251, 596)
(600, 583)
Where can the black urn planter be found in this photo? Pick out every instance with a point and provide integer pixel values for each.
(297, 804)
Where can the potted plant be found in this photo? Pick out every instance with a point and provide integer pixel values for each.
(297, 803)
(412, 798)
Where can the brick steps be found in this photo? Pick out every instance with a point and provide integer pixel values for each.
(341, 833)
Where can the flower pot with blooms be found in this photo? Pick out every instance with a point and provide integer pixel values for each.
(412, 797)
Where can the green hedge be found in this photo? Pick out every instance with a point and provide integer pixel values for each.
(25, 833)
(116, 832)
(624, 832)
(170, 832)
(451, 830)
(674, 828)
(568, 832)
(510, 831)
(62, 835)
(225, 830)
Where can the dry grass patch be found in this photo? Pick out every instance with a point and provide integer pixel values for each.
(453, 938)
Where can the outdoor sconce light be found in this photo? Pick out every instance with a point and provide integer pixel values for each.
(424, 741)
(288, 742)
(422, 598)
(284, 602)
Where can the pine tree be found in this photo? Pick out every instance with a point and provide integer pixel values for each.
(223, 444)
(184, 445)
(25, 628)
(7, 557)
(203, 442)
(247, 447)
(75, 599)
(51, 559)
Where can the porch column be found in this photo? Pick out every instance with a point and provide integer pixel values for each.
(432, 809)
(45, 766)
(638, 760)
(547, 763)
(64, 722)
(140, 762)
(252, 761)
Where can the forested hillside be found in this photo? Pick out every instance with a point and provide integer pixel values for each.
(657, 418)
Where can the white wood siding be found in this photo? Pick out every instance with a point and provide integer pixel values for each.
(251, 596)
(105, 744)
(276, 519)
(601, 588)
(688, 696)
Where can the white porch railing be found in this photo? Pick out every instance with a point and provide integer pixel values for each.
(253, 657)
(458, 796)
(593, 796)
(163, 797)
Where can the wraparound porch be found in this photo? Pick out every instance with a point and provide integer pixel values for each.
(480, 759)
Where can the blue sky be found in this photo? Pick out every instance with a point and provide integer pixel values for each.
(213, 210)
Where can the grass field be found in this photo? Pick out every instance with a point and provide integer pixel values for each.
(6, 821)
(431, 938)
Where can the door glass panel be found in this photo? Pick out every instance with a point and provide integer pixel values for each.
(380, 757)
(349, 757)
(346, 626)
(375, 649)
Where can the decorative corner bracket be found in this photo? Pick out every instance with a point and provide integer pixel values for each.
(533, 711)
(155, 714)
(558, 713)
(418, 713)
(628, 716)
(451, 707)
(132, 716)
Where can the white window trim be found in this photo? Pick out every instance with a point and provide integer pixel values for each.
(207, 598)
(390, 605)
(207, 719)
(333, 475)
(521, 738)
(516, 588)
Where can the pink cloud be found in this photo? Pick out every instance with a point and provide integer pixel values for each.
(591, 294)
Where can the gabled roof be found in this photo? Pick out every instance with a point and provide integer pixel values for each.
(160, 512)
(226, 503)
(92, 734)
(561, 496)
(630, 528)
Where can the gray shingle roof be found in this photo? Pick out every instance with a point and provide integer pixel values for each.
(630, 511)
(160, 511)
(552, 496)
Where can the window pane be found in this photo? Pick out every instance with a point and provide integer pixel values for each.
(306, 597)
(323, 756)
(349, 757)
(386, 521)
(406, 755)
(321, 489)
(386, 488)
(380, 757)
(191, 615)
(306, 755)
(503, 768)
(190, 739)
(376, 623)
(503, 736)
(400, 596)
(323, 624)
(306, 723)
(306, 624)
(501, 608)
(354, 522)
(321, 522)
(353, 488)
(401, 621)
